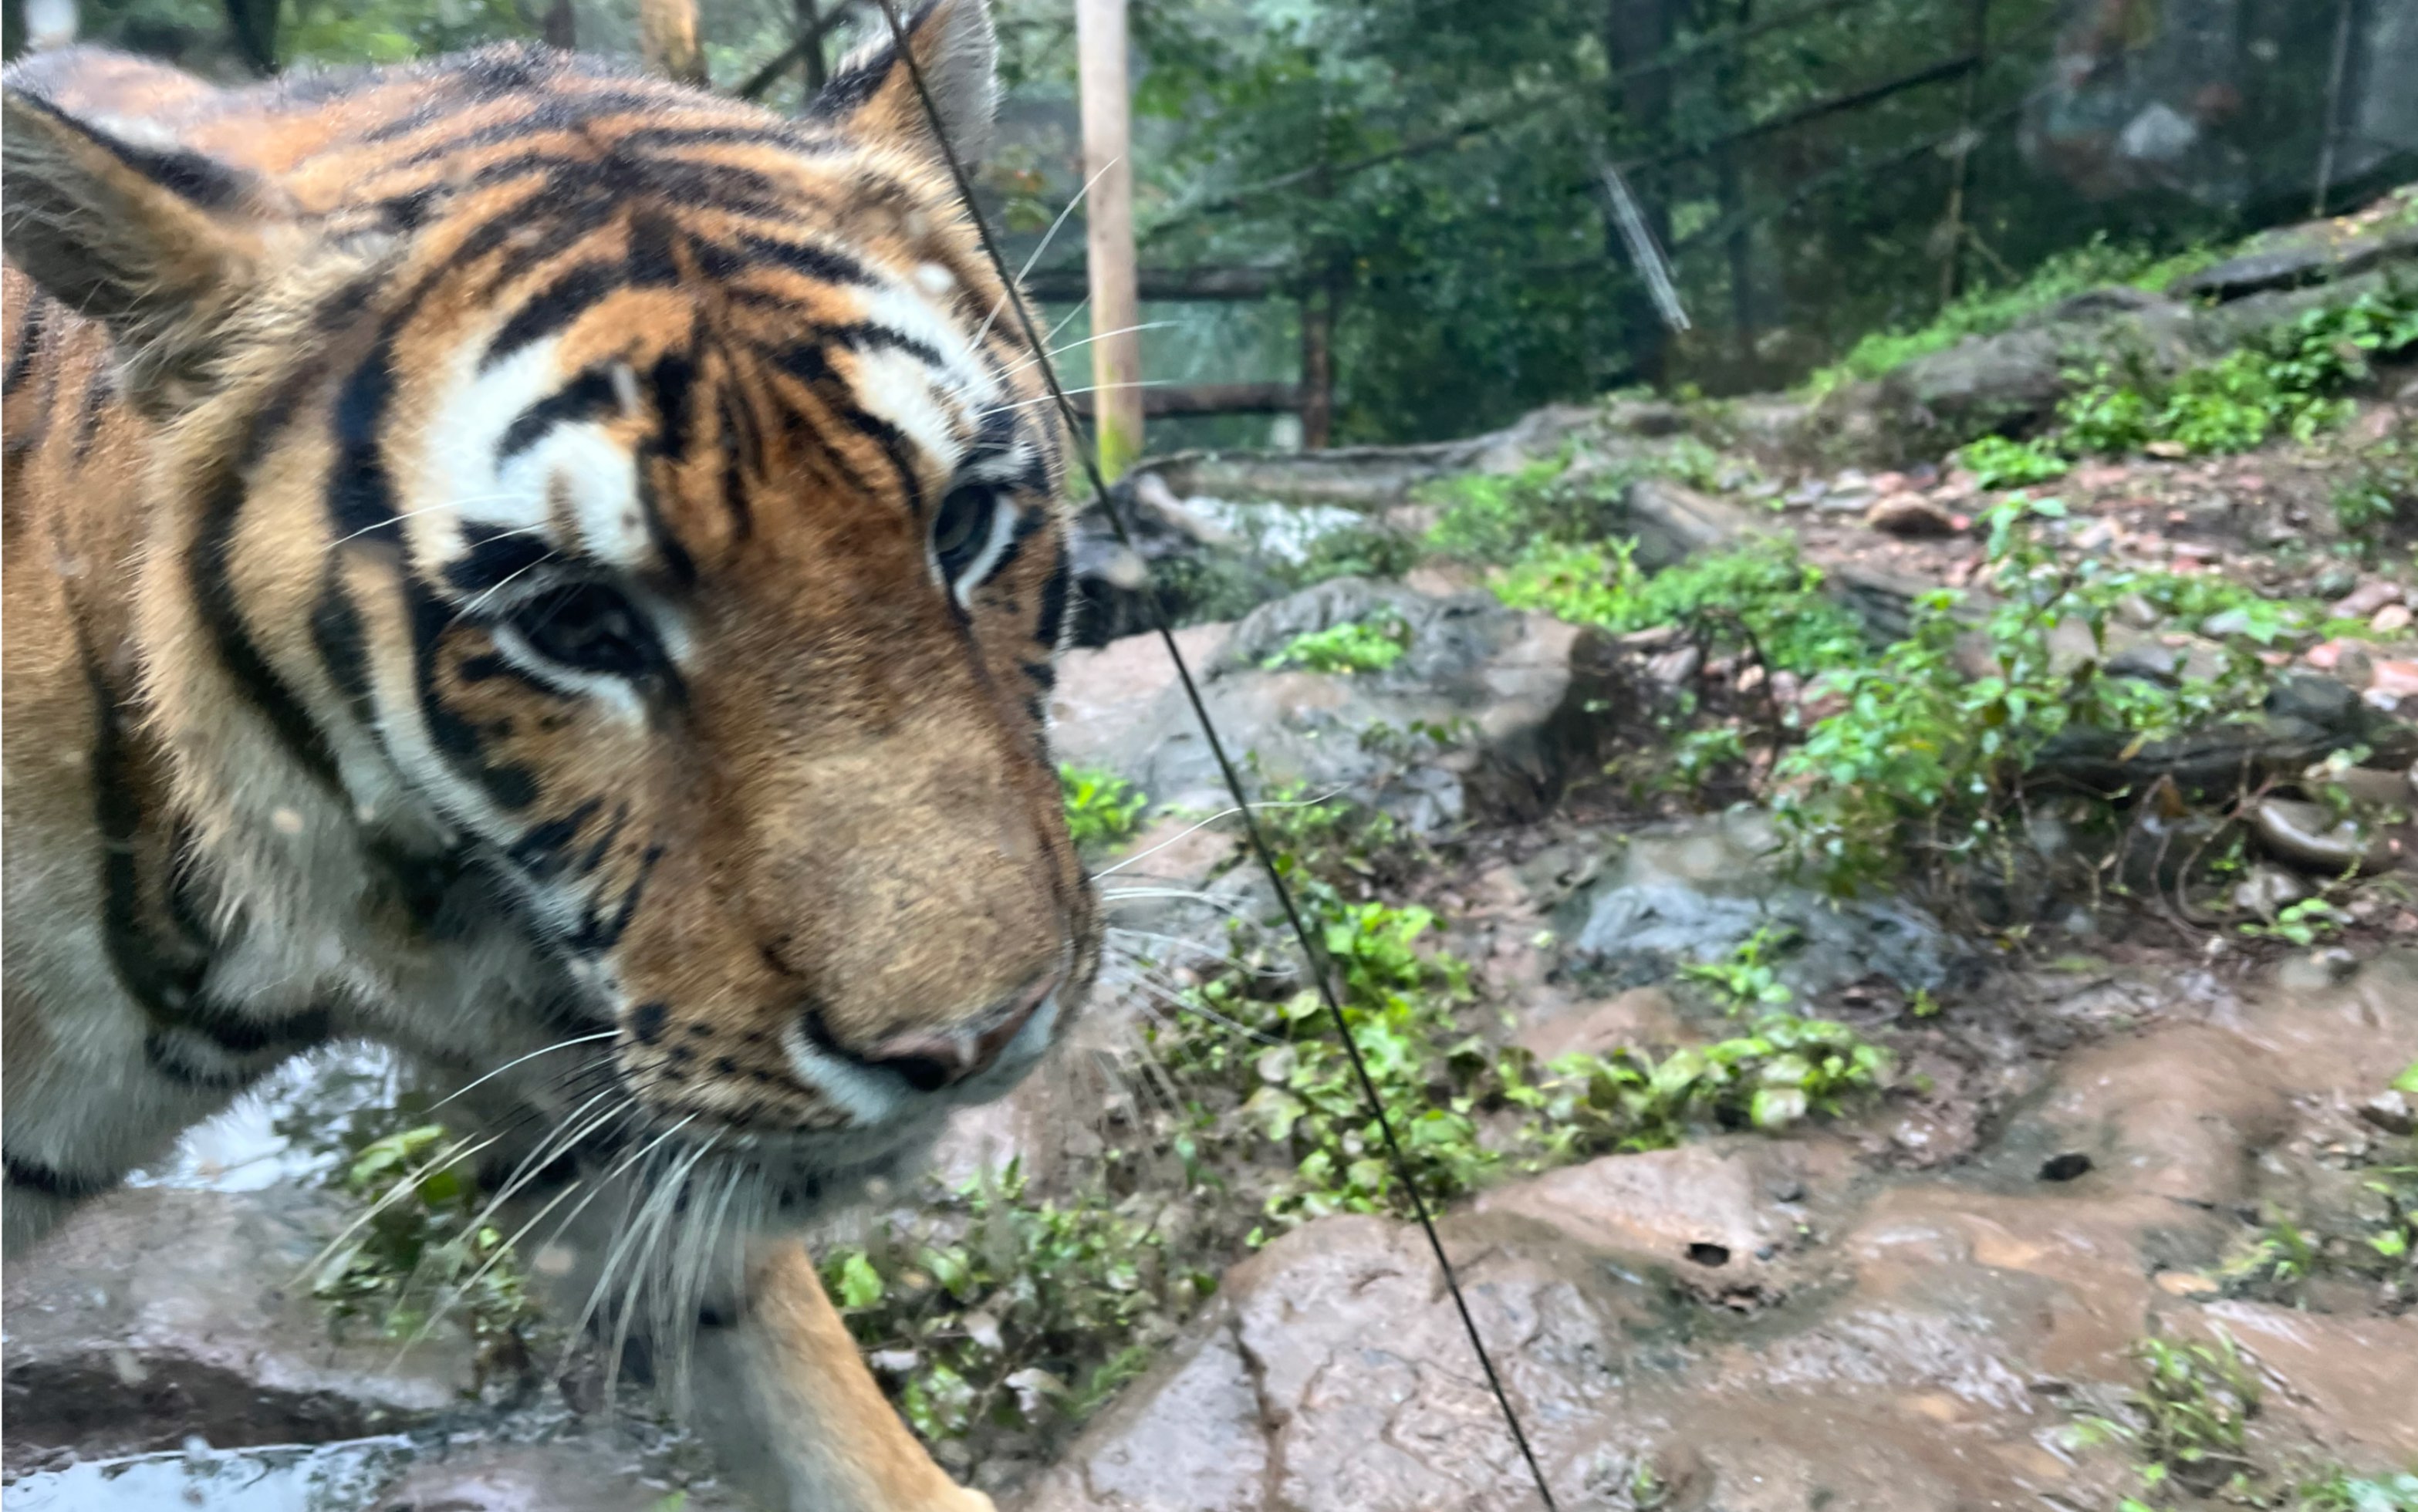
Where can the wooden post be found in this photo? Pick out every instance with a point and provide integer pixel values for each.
(1318, 365)
(1952, 260)
(1108, 165)
(667, 39)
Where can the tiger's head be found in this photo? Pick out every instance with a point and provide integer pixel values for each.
(628, 497)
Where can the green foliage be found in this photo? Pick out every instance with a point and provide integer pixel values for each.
(1443, 1086)
(1991, 309)
(2000, 463)
(2287, 381)
(1785, 1069)
(1760, 592)
(2379, 491)
(1027, 1318)
(1927, 756)
(1744, 979)
(393, 31)
(2304, 923)
(1369, 645)
(2341, 1491)
(1102, 808)
(1495, 518)
(2188, 1422)
(421, 1248)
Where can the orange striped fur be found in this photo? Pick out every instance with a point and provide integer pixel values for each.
(508, 559)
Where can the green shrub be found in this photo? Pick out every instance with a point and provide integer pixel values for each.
(1991, 309)
(2188, 1422)
(2288, 381)
(1998, 463)
(422, 1254)
(1027, 1318)
(1369, 645)
(1761, 590)
(1498, 517)
(1102, 808)
(1926, 758)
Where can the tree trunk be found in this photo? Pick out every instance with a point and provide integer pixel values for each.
(1733, 197)
(561, 27)
(1108, 165)
(667, 40)
(812, 71)
(1318, 364)
(254, 25)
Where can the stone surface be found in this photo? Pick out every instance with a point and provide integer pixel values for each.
(1484, 714)
(1694, 891)
(153, 1315)
(1910, 514)
(1935, 1336)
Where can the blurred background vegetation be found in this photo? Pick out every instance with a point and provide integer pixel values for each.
(1429, 175)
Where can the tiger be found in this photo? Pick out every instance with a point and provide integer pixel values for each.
(558, 573)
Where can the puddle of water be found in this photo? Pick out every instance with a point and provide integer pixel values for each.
(332, 1478)
(240, 1150)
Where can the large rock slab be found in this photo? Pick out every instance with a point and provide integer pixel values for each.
(156, 1315)
(1516, 697)
(1695, 890)
(1915, 1342)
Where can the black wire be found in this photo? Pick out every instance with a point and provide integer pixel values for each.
(1320, 967)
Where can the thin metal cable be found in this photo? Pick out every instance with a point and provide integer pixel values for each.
(1320, 967)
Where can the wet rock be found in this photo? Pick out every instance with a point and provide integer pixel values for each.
(540, 1477)
(2291, 257)
(1946, 1330)
(2157, 660)
(155, 1315)
(2366, 600)
(1642, 1018)
(1485, 712)
(1910, 514)
(1696, 891)
(2389, 1111)
(2304, 718)
(2267, 891)
(2309, 836)
(1707, 1205)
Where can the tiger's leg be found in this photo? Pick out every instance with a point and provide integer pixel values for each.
(840, 1445)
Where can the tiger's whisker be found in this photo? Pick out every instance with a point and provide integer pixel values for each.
(560, 1044)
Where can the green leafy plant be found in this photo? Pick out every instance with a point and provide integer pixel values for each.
(2288, 381)
(1368, 644)
(1745, 978)
(2341, 1491)
(422, 1249)
(1993, 308)
(1102, 808)
(2188, 1421)
(2000, 463)
(1927, 758)
(1498, 517)
(1026, 1315)
(1760, 594)
(2304, 923)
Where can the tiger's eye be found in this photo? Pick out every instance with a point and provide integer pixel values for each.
(586, 626)
(962, 529)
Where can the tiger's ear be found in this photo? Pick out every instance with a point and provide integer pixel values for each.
(155, 241)
(873, 92)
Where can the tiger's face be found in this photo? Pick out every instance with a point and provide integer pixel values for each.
(637, 499)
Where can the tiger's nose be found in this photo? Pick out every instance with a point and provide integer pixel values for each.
(929, 1059)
